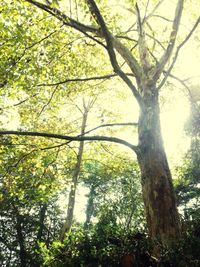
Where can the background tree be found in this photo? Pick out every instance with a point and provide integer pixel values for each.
(114, 190)
(188, 173)
(76, 172)
(29, 186)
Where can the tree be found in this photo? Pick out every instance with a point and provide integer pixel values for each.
(149, 74)
(28, 200)
(187, 187)
(114, 190)
(71, 203)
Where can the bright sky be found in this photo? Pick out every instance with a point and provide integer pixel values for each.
(173, 120)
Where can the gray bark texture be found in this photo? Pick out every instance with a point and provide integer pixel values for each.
(158, 193)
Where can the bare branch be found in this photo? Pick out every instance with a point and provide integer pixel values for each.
(167, 54)
(145, 12)
(23, 157)
(49, 101)
(43, 39)
(155, 40)
(191, 96)
(143, 49)
(80, 80)
(26, 99)
(20, 102)
(104, 77)
(73, 138)
(183, 84)
(163, 18)
(153, 11)
(177, 53)
(111, 125)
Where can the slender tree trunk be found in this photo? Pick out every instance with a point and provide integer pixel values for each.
(71, 202)
(90, 207)
(20, 239)
(158, 194)
(42, 215)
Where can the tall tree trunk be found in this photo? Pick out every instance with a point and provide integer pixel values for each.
(42, 215)
(71, 202)
(158, 194)
(20, 239)
(90, 207)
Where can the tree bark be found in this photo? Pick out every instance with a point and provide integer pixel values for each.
(158, 194)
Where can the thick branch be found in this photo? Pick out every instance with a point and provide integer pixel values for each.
(65, 19)
(126, 54)
(164, 59)
(73, 138)
(122, 50)
(95, 11)
(143, 49)
(68, 21)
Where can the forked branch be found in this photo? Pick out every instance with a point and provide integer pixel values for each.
(167, 73)
(106, 34)
(111, 41)
(143, 49)
(167, 54)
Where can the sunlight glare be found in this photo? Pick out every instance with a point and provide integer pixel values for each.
(172, 122)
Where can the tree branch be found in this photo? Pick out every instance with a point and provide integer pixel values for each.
(153, 11)
(126, 54)
(167, 54)
(166, 73)
(80, 80)
(49, 100)
(122, 50)
(111, 125)
(83, 79)
(62, 17)
(95, 11)
(73, 138)
(143, 49)
(183, 83)
(68, 21)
